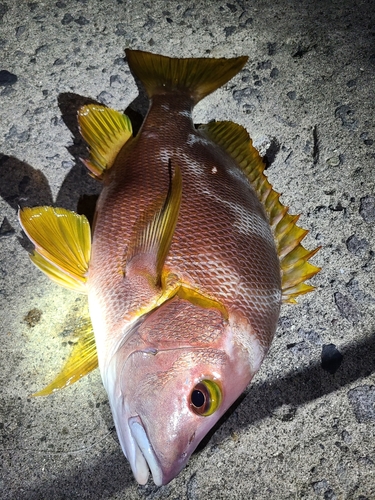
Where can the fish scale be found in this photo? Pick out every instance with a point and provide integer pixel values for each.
(191, 256)
(134, 181)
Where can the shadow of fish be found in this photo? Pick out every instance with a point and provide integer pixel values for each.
(191, 256)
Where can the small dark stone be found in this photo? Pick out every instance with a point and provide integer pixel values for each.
(331, 358)
(232, 7)
(245, 94)
(32, 6)
(346, 115)
(368, 142)
(12, 132)
(247, 23)
(105, 98)
(357, 246)
(6, 229)
(169, 20)
(358, 294)
(229, 30)
(329, 495)
(264, 65)
(120, 61)
(301, 51)
(114, 79)
(32, 318)
(291, 95)
(82, 21)
(58, 62)
(3, 10)
(362, 400)
(41, 48)
(7, 78)
(274, 73)
(120, 30)
(351, 83)
(67, 19)
(271, 48)
(188, 12)
(337, 208)
(20, 30)
(367, 208)
(150, 23)
(346, 307)
(319, 486)
(310, 335)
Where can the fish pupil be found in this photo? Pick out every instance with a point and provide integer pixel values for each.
(197, 398)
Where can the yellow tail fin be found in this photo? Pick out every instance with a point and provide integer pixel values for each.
(196, 76)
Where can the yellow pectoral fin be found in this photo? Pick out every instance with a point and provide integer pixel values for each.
(82, 361)
(62, 242)
(293, 257)
(150, 245)
(105, 131)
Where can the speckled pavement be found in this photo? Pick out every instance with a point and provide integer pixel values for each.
(306, 427)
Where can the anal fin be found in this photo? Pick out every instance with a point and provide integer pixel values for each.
(82, 360)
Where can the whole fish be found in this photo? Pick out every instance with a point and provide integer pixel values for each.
(191, 256)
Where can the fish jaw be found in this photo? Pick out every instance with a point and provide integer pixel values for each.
(149, 459)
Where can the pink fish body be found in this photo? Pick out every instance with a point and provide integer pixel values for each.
(190, 258)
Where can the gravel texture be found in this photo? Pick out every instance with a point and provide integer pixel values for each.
(306, 428)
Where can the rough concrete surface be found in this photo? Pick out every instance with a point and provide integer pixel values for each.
(306, 428)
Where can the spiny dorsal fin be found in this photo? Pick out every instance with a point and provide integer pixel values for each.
(105, 131)
(62, 242)
(295, 268)
(153, 239)
(82, 360)
(196, 76)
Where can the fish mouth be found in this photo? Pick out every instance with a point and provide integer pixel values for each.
(145, 457)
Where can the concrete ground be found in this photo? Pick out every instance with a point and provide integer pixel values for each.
(306, 427)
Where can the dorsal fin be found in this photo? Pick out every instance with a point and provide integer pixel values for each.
(82, 360)
(105, 131)
(62, 242)
(295, 268)
(151, 243)
(197, 77)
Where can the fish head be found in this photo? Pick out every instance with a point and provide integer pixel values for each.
(166, 395)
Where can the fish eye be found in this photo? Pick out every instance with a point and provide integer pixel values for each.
(205, 398)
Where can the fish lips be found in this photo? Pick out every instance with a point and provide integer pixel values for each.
(145, 457)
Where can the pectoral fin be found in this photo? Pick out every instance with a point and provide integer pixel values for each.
(62, 242)
(81, 361)
(105, 131)
(153, 238)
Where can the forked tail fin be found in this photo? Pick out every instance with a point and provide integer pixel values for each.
(195, 76)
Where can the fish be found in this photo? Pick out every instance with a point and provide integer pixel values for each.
(189, 258)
